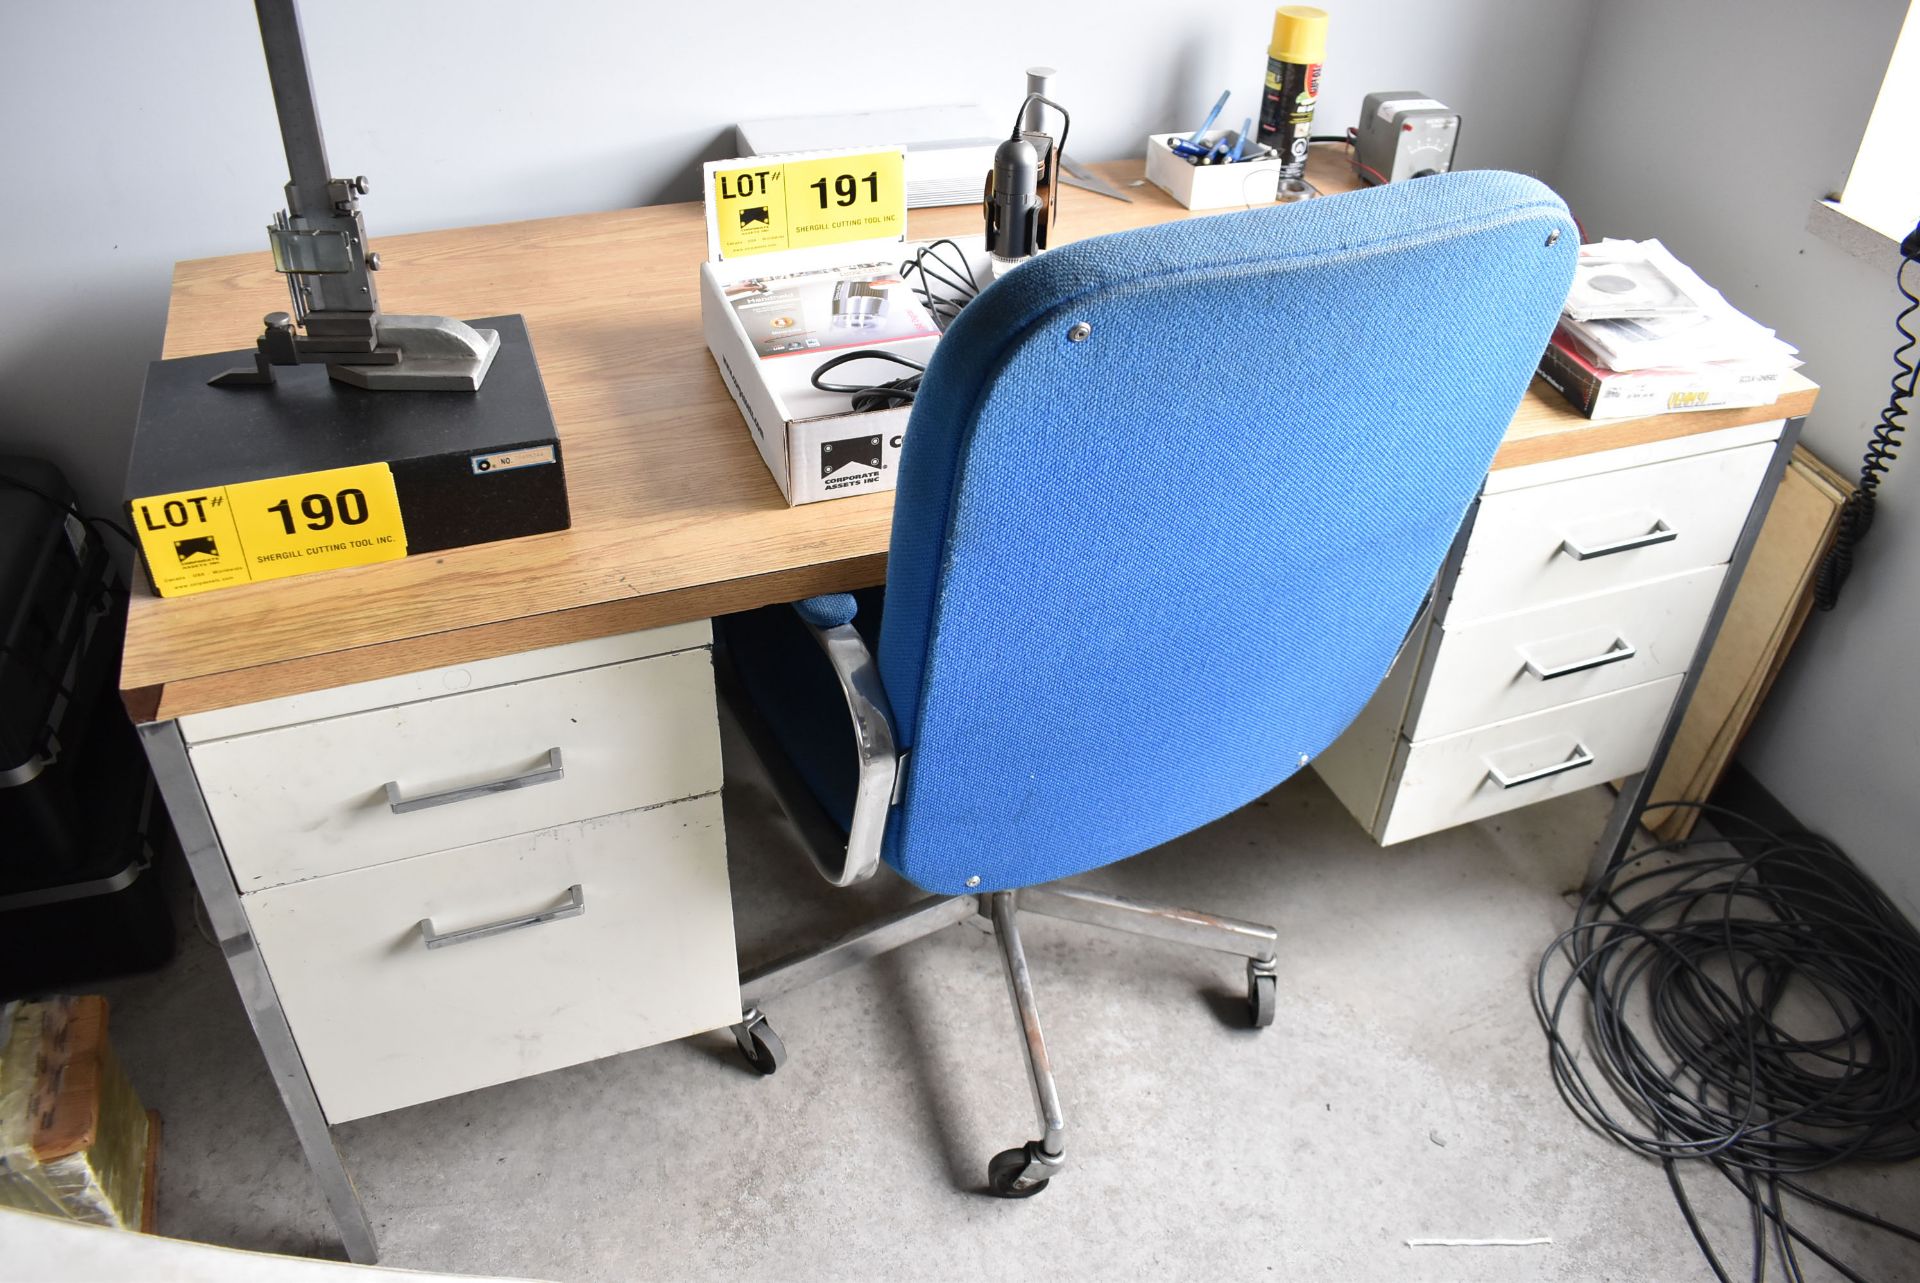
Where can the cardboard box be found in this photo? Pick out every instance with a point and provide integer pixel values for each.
(793, 279)
(74, 1140)
(814, 443)
(1249, 183)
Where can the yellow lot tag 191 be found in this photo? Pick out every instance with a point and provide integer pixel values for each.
(759, 206)
(196, 540)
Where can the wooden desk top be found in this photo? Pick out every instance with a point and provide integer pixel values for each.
(674, 515)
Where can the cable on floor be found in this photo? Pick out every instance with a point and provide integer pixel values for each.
(1758, 1015)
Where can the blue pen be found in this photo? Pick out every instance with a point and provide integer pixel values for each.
(1193, 139)
(1240, 147)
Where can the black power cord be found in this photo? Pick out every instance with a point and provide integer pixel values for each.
(873, 396)
(1756, 1013)
(1856, 518)
(946, 284)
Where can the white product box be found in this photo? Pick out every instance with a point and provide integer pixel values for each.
(815, 445)
(807, 261)
(1251, 182)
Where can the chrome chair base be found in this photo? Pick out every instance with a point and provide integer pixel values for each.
(1025, 1171)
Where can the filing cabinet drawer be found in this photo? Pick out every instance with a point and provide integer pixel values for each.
(1438, 783)
(348, 792)
(383, 1020)
(1598, 533)
(1491, 670)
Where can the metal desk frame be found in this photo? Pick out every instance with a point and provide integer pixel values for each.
(173, 773)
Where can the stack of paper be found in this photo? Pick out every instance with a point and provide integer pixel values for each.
(1641, 333)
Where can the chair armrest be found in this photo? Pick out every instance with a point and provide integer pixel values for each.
(827, 609)
(846, 650)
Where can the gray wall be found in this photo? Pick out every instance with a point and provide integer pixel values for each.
(139, 133)
(1719, 154)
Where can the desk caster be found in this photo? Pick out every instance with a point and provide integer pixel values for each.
(759, 1045)
(1010, 1174)
(1263, 993)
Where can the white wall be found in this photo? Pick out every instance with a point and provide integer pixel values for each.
(137, 133)
(1713, 124)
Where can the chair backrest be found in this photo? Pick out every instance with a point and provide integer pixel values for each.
(1170, 500)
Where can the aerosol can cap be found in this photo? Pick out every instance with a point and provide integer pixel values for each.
(1299, 34)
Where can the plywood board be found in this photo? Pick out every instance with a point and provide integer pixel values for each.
(1766, 615)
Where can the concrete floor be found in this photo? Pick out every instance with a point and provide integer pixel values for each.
(1402, 1092)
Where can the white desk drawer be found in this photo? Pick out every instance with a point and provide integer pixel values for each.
(312, 799)
(1438, 783)
(433, 683)
(383, 1021)
(1632, 525)
(1491, 670)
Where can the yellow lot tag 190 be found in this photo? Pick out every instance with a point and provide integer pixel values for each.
(197, 540)
(759, 205)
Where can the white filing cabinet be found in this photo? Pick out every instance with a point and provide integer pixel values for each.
(471, 874)
(1558, 638)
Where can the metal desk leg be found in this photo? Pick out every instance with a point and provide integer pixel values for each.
(1636, 790)
(173, 773)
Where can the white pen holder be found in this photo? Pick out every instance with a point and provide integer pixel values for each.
(1222, 186)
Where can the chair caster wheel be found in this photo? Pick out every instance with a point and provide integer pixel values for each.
(1007, 1173)
(759, 1046)
(1263, 995)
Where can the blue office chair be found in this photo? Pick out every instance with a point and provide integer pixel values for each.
(1169, 503)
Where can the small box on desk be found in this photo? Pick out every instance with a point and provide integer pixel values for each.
(239, 484)
(808, 264)
(1235, 186)
(816, 445)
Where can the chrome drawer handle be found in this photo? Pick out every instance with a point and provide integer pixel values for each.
(1621, 650)
(539, 775)
(1661, 533)
(1581, 757)
(575, 906)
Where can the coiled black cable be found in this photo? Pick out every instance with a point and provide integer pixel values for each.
(1756, 1013)
(873, 396)
(947, 282)
(1856, 518)
(946, 285)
